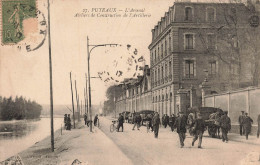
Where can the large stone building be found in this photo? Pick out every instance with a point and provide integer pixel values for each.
(193, 41)
(136, 95)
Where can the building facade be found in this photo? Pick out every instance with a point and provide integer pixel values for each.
(186, 48)
(136, 95)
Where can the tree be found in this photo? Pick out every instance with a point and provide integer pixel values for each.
(236, 44)
(111, 94)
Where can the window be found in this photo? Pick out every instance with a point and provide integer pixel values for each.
(234, 69)
(146, 84)
(165, 47)
(212, 68)
(170, 42)
(170, 68)
(158, 52)
(211, 39)
(189, 41)
(189, 68)
(158, 76)
(155, 55)
(210, 14)
(152, 57)
(155, 76)
(162, 74)
(166, 71)
(188, 14)
(162, 50)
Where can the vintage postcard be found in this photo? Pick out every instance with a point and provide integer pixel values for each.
(147, 82)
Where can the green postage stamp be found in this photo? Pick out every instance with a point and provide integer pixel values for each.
(13, 12)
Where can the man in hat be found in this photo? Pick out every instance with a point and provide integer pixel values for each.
(240, 121)
(225, 125)
(156, 123)
(199, 128)
(180, 124)
(120, 122)
(65, 120)
(247, 125)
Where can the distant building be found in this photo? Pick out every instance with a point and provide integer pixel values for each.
(186, 49)
(136, 94)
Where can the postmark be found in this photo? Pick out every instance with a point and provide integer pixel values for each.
(13, 15)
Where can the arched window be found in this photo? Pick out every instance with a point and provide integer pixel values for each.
(188, 14)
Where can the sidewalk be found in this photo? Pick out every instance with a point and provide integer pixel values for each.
(89, 148)
(252, 139)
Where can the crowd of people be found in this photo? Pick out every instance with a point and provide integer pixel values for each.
(197, 127)
(67, 122)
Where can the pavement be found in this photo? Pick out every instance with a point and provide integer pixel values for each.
(142, 148)
(78, 145)
(138, 147)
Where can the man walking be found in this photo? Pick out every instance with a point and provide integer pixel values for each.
(96, 120)
(171, 122)
(247, 125)
(240, 121)
(225, 125)
(156, 123)
(199, 128)
(180, 123)
(137, 121)
(85, 118)
(258, 130)
(120, 122)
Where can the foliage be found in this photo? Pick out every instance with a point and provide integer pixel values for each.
(19, 108)
(111, 93)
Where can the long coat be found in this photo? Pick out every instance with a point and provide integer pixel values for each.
(156, 120)
(180, 124)
(247, 124)
(225, 122)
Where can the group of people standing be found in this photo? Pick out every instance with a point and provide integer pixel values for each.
(67, 121)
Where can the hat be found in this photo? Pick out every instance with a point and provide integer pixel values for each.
(242, 111)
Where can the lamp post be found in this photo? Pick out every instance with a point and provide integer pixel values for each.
(89, 86)
(50, 70)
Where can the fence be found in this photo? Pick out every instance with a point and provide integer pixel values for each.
(234, 102)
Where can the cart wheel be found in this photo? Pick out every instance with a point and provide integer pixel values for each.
(112, 128)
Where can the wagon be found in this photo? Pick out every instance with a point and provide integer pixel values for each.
(206, 114)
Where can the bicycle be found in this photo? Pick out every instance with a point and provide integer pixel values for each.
(113, 126)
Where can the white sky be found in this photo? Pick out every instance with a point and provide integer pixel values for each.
(27, 74)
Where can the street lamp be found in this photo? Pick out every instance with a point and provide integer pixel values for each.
(89, 87)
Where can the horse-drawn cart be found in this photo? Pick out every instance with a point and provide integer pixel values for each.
(210, 115)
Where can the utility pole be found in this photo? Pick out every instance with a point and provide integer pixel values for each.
(73, 115)
(89, 88)
(87, 93)
(85, 100)
(50, 69)
(77, 99)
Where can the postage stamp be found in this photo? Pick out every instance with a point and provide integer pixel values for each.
(13, 13)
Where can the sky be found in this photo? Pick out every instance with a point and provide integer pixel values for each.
(26, 74)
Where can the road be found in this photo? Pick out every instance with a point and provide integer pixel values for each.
(143, 149)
